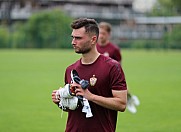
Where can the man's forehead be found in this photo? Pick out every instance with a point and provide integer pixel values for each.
(78, 32)
(102, 30)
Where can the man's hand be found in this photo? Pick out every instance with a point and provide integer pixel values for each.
(54, 98)
(82, 92)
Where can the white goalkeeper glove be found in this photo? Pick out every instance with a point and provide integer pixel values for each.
(67, 98)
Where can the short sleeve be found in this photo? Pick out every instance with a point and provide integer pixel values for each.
(117, 78)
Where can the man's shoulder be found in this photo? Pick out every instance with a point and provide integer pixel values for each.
(72, 66)
(110, 65)
(108, 60)
(115, 46)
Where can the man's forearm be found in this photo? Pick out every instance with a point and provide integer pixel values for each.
(113, 103)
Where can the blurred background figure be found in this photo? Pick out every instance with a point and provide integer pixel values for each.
(106, 47)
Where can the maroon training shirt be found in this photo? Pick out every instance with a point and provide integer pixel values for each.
(110, 50)
(110, 76)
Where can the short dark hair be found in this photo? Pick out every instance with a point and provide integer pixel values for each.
(90, 25)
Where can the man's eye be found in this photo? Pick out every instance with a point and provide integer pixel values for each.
(78, 37)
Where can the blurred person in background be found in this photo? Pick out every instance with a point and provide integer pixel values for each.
(107, 48)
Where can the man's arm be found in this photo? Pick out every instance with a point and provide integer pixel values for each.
(117, 102)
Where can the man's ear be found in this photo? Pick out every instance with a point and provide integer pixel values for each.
(94, 39)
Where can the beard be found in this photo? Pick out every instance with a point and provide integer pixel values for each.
(84, 49)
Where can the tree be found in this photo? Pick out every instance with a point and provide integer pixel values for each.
(4, 37)
(172, 39)
(166, 8)
(48, 29)
(177, 4)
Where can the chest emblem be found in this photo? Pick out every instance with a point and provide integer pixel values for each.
(93, 80)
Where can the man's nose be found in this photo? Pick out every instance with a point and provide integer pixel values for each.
(73, 41)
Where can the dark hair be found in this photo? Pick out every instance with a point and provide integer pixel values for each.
(90, 25)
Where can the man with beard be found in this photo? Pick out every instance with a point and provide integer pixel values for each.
(107, 92)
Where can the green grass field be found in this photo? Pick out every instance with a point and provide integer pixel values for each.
(27, 78)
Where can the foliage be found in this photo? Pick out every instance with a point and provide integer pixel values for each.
(166, 8)
(173, 39)
(4, 37)
(142, 44)
(48, 29)
(45, 29)
(18, 35)
(174, 3)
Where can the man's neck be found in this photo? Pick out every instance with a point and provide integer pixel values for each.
(90, 57)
